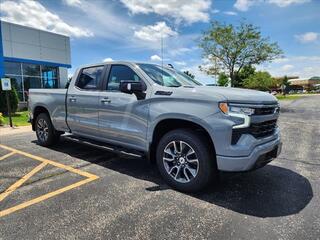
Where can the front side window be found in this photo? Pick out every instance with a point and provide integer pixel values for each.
(120, 73)
(90, 78)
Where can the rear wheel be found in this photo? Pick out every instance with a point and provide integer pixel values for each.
(185, 160)
(45, 131)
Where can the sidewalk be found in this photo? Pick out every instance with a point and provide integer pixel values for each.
(5, 130)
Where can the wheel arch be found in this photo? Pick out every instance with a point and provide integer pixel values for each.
(165, 125)
(37, 110)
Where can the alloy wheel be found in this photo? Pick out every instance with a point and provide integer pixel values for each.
(180, 161)
(42, 130)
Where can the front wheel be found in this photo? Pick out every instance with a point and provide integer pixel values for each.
(45, 131)
(185, 160)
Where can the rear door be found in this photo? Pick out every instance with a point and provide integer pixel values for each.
(122, 117)
(83, 102)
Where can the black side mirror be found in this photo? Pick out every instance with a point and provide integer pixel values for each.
(135, 87)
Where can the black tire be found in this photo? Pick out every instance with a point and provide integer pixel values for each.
(206, 164)
(52, 135)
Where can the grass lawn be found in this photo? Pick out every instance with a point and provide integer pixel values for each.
(18, 119)
(288, 97)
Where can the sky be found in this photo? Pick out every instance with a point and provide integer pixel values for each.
(102, 30)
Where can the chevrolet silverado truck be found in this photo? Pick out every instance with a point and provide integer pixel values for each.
(189, 130)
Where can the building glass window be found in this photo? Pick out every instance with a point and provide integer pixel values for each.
(49, 72)
(26, 76)
(12, 68)
(31, 69)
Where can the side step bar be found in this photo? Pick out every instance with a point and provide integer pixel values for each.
(104, 146)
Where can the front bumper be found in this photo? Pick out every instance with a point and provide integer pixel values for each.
(260, 156)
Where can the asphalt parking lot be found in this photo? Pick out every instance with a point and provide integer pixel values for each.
(74, 191)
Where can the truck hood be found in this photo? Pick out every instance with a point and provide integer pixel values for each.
(236, 95)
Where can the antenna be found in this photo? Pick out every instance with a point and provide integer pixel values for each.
(162, 55)
(161, 50)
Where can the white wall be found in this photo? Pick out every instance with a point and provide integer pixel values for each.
(63, 73)
(28, 43)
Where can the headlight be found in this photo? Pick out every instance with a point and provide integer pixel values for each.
(237, 112)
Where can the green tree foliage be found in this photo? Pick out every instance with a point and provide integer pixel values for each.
(259, 81)
(223, 80)
(13, 99)
(243, 74)
(189, 74)
(230, 48)
(285, 85)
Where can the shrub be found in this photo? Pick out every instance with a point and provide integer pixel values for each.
(1, 119)
(13, 99)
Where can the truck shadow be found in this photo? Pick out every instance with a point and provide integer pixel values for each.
(271, 191)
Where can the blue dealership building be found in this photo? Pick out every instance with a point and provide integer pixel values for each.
(33, 58)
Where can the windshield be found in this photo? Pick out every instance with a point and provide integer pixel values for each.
(168, 77)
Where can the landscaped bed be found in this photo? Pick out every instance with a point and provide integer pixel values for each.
(18, 119)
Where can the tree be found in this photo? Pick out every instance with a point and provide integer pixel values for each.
(223, 80)
(189, 74)
(285, 85)
(259, 81)
(243, 74)
(233, 47)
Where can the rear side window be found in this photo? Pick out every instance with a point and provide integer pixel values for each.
(119, 73)
(90, 78)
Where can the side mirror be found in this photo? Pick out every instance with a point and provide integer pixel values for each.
(134, 87)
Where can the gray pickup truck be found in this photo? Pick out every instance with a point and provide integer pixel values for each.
(189, 130)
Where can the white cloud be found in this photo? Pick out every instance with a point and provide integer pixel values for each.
(107, 60)
(75, 3)
(285, 3)
(301, 66)
(214, 11)
(231, 13)
(307, 37)
(190, 11)
(34, 14)
(243, 5)
(155, 32)
(155, 58)
(280, 60)
(180, 63)
(287, 67)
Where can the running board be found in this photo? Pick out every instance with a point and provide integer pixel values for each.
(104, 146)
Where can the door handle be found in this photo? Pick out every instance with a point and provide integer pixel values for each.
(105, 100)
(72, 99)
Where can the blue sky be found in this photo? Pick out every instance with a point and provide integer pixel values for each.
(132, 29)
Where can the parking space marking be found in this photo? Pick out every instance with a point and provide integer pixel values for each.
(89, 177)
(21, 181)
(7, 155)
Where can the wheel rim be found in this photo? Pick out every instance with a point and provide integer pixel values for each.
(180, 161)
(42, 130)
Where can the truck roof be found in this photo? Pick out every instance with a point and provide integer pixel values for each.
(119, 62)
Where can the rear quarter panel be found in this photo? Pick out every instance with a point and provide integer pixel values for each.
(54, 101)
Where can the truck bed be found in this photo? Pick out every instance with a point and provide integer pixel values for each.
(54, 101)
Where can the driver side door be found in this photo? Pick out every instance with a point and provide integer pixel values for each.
(122, 117)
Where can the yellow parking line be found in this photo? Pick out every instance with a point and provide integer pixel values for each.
(7, 155)
(43, 197)
(21, 181)
(89, 177)
(59, 165)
